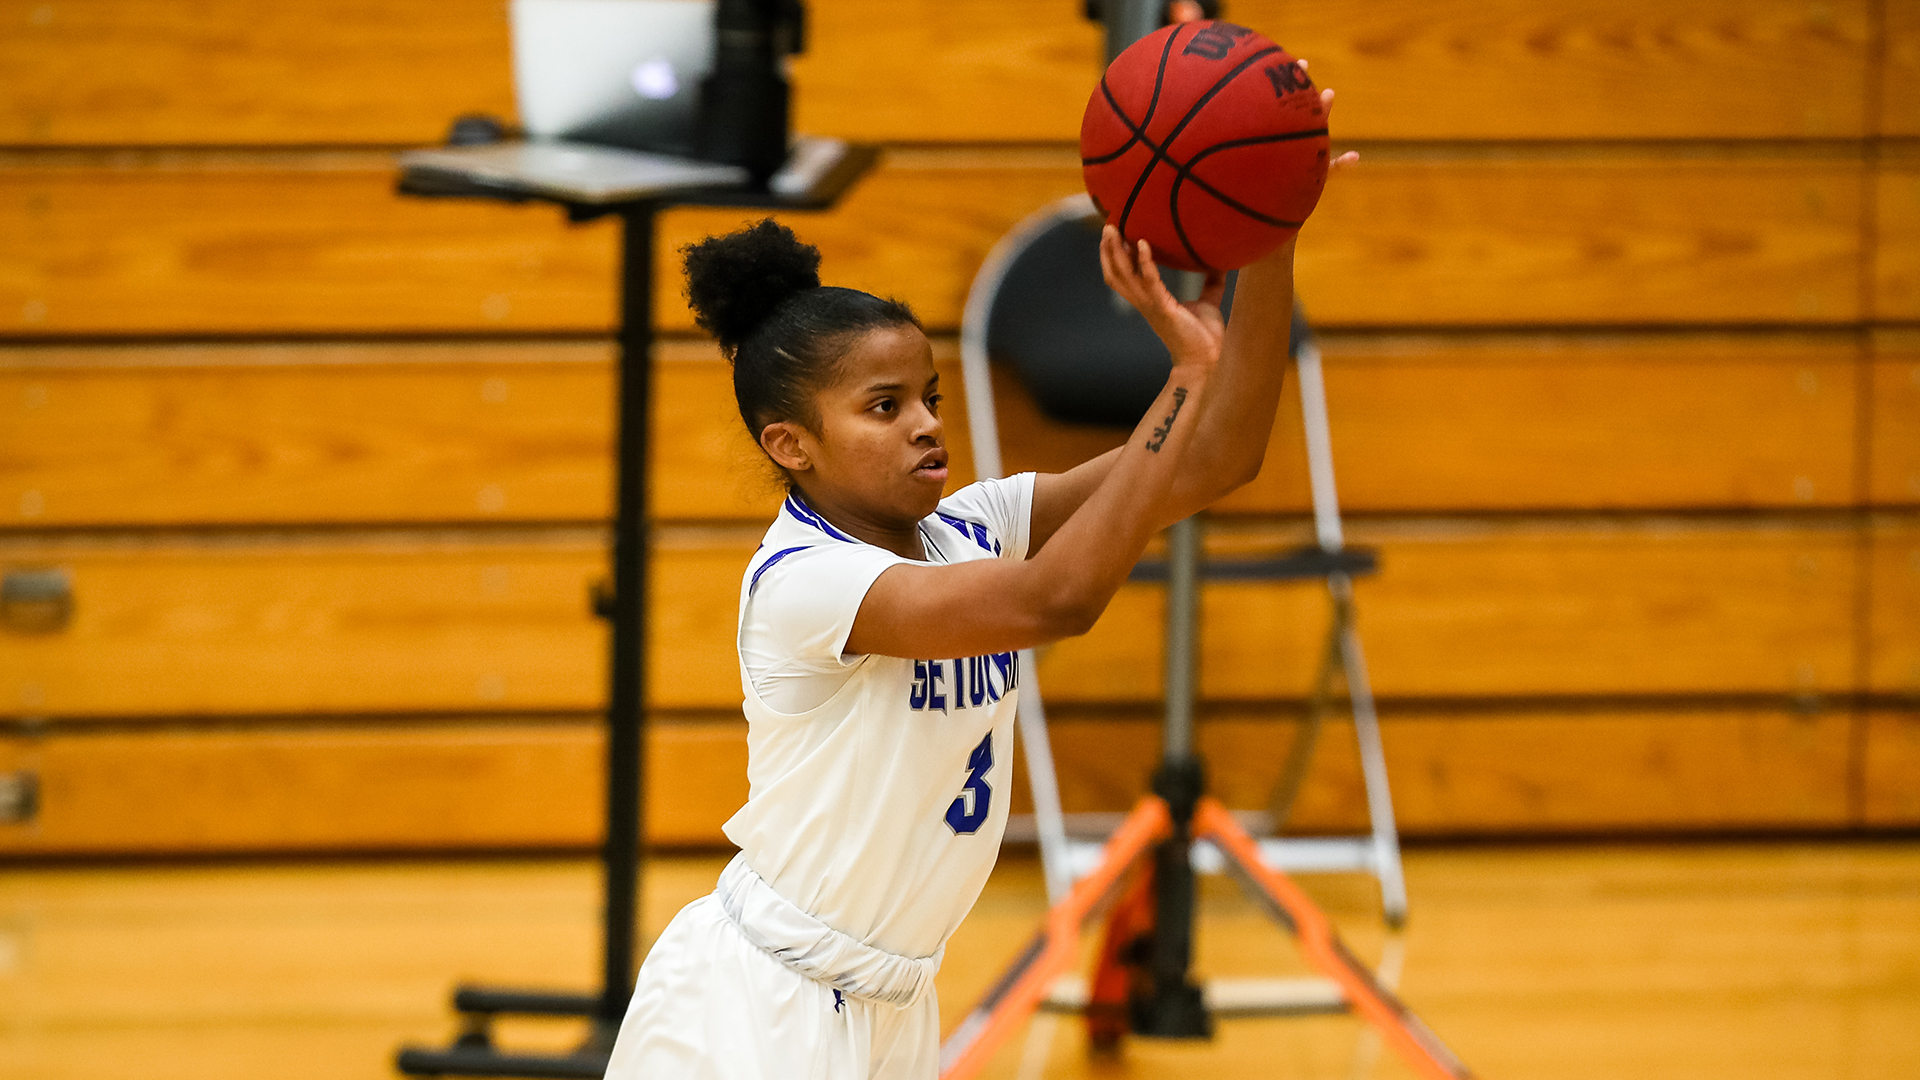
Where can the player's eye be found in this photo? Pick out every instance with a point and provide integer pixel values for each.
(933, 404)
(885, 405)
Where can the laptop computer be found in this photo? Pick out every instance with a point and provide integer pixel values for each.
(608, 92)
(615, 72)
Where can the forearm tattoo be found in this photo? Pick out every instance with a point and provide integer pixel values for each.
(1166, 426)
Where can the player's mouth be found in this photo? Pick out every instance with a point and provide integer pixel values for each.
(933, 467)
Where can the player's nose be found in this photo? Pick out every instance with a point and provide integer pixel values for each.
(928, 425)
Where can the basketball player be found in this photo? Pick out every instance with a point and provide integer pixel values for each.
(878, 629)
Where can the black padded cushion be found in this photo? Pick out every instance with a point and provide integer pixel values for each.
(1084, 354)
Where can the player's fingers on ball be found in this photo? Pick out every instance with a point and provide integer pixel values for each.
(1347, 160)
(1113, 260)
(1154, 289)
(1116, 249)
(1148, 268)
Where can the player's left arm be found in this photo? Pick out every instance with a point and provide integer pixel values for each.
(1235, 420)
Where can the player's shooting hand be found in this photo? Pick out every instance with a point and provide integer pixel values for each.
(1192, 331)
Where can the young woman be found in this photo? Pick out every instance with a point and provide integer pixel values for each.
(878, 628)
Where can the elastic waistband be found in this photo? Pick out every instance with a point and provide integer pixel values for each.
(817, 950)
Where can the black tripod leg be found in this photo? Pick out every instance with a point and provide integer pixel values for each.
(1175, 1008)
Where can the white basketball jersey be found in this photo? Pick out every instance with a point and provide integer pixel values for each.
(880, 810)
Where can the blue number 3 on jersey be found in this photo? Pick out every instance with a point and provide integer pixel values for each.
(968, 812)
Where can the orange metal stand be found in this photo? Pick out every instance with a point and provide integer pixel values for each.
(1053, 951)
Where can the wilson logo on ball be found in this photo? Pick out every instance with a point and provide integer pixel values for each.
(1216, 41)
(1208, 141)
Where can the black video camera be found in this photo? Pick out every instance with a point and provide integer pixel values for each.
(744, 103)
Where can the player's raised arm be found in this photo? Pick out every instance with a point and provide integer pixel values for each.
(1236, 421)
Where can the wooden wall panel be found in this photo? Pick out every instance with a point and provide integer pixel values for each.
(506, 431)
(1575, 772)
(1900, 69)
(127, 72)
(536, 783)
(368, 432)
(1574, 240)
(1524, 422)
(1586, 69)
(252, 434)
(278, 245)
(1511, 773)
(392, 786)
(1893, 634)
(1594, 180)
(1456, 611)
(1896, 258)
(1467, 610)
(401, 624)
(283, 245)
(1581, 69)
(1893, 458)
(398, 623)
(133, 72)
(1891, 769)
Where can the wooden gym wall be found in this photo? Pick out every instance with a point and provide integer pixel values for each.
(1622, 321)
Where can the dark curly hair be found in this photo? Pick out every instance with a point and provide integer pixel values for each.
(758, 291)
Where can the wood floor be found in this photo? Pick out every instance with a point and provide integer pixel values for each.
(1752, 960)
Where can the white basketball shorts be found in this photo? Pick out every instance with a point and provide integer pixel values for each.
(711, 1005)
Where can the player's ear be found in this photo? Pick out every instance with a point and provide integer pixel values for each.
(782, 442)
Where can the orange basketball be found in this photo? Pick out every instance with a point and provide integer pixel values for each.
(1207, 141)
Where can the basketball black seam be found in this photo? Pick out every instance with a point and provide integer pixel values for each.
(1131, 137)
(1183, 172)
(1141, 131)
(1159, 149)
(1179, 230)
(1208, 96)
(1159, 79)
(1159, 76)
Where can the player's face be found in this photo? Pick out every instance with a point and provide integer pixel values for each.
(881, 449)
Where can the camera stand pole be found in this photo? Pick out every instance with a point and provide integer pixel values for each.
(473, 1053)
(1175, 1007)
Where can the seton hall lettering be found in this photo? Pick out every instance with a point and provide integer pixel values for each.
(967, 683)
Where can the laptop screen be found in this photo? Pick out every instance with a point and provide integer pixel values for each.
(617, 72)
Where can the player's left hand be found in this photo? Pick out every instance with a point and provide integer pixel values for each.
(1192, 331)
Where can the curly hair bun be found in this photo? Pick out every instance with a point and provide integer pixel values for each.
(735, 282)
